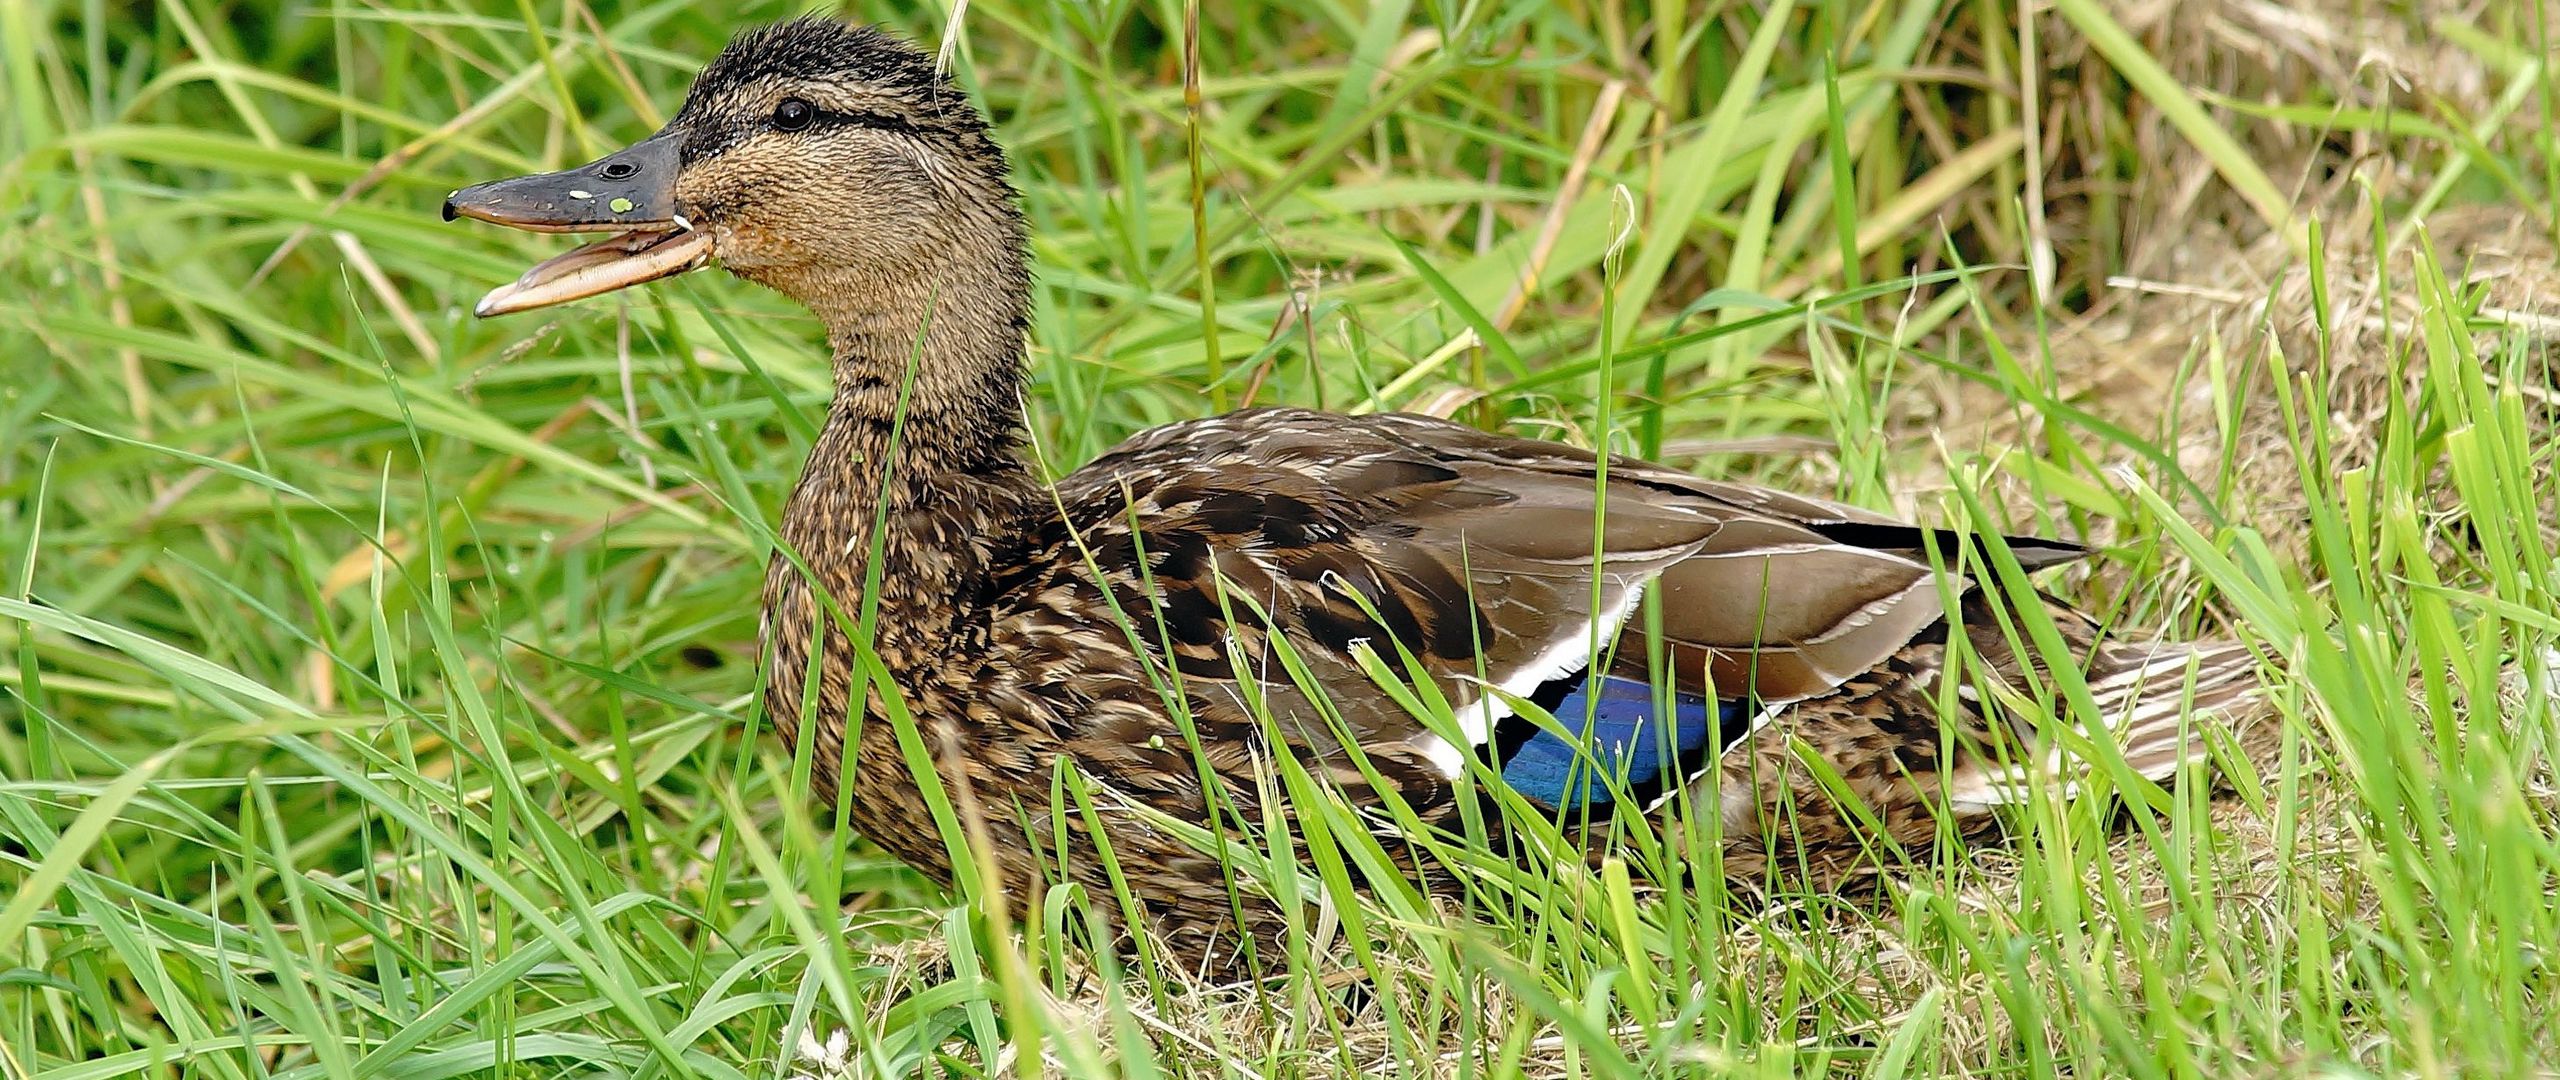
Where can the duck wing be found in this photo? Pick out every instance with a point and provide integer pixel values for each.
(1508, 569)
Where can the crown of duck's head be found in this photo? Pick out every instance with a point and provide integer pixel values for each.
(809, 156)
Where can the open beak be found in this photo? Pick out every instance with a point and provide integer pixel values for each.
(631, 192)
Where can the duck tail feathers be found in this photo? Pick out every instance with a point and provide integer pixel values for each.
(2164, 704)
(2167, 702)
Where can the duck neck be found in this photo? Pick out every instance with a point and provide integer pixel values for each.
(916, 465)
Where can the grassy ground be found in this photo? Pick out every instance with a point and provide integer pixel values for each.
(377, 687)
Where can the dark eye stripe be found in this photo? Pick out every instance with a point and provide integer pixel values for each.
(874, 120)
(708, 138)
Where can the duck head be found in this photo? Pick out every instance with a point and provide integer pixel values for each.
(827, 161)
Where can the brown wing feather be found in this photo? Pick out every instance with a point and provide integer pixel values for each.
(1474, 552)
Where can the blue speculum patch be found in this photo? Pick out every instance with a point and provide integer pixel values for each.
(1616, 742)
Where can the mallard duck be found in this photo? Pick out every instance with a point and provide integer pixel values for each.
(1281, 581)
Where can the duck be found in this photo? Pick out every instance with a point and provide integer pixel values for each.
(1418, 613)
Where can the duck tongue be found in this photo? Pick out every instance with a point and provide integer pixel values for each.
(630, 191)
(601, 267)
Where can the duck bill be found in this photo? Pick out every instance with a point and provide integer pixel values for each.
(630, 192)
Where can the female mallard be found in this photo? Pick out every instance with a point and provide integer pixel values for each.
(834, 164)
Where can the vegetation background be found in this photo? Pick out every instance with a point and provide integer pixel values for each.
(375, 683)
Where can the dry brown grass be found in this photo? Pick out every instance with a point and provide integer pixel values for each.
(2201, 272)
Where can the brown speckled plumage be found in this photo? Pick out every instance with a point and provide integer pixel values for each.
(1025, 625)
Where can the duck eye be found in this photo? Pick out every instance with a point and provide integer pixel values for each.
(793, 115)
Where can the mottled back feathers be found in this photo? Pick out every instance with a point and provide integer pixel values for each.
(1471, 556)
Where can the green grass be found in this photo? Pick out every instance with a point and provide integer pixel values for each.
(378, 683)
